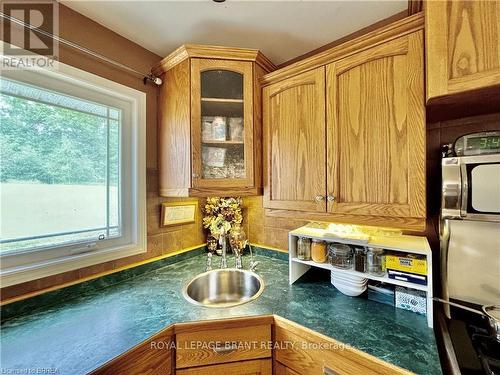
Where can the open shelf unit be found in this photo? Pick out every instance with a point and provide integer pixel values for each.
(399, 243)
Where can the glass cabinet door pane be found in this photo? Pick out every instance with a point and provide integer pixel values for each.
(222, 125)
(223, 84)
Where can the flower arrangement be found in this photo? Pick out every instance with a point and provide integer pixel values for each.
(221, 214)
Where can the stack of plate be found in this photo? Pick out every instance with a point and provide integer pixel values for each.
(348, 284)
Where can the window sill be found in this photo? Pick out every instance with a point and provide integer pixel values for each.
(21, 274)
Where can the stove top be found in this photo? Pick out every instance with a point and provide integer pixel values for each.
(477, 351)
(488, 350)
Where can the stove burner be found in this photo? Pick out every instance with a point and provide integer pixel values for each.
(488, 350)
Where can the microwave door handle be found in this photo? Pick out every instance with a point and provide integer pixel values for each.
(465, 190)
(444, 241)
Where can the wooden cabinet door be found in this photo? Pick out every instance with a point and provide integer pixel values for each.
(294, 143)
(463, 46)
(222, 158)
(280, 369)
(258, 367)
(376, 131)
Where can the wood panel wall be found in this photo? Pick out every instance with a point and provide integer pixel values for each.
(82, 30)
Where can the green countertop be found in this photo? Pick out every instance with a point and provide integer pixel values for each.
(75, 330)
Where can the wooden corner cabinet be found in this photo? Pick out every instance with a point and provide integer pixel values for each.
(345, 139)
(260, 345)
(210, 121)
(462, 46)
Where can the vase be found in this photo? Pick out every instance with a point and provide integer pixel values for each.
(237, 238)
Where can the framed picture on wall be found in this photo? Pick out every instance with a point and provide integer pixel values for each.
(176, 213)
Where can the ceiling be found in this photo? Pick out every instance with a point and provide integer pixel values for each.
(282, 30)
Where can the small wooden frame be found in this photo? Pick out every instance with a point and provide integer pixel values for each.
(176, 213)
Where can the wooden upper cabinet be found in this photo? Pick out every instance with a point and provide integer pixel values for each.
(462, 46)
(344, 140)
(209, 121)
(376, 131)
(294, 142)
(222, 123)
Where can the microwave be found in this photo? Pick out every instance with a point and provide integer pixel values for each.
(471, 179)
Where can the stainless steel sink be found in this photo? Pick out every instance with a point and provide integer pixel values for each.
(224, 288)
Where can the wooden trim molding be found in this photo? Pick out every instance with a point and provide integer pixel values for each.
(95, 276)
(213, 52)
(347, 38)
(408, 224)
(381, 35)
(415, 6)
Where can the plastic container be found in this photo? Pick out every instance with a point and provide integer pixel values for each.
(340, 255)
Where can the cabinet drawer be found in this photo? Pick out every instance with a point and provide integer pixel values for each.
(257, 367)
(206, 347)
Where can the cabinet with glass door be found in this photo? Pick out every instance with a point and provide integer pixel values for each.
(210, 133)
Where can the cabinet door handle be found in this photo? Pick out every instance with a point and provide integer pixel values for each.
(319, 198)
(196, 175)
(331, 198)
(226, 349)
(329, 371)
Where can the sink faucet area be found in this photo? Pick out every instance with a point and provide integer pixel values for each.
(224, 288)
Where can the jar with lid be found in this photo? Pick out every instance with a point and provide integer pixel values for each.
(340, 255)
(360, 259)
(375, 261)
(304, 248)
(318, 251)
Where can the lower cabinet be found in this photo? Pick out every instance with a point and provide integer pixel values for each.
(280, 369)
(258, 367)
(300, 351)
(217, 344)
(262, 345)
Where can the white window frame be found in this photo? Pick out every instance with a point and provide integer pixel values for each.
(35, 264)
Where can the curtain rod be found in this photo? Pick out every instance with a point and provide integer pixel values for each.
(146, 77)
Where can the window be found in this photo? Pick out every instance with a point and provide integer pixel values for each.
(71, 172)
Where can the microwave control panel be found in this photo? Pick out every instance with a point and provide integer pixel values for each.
(478, 144)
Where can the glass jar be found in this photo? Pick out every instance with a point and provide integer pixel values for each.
(304, 248)
(375, 261)
(340, 255)
(318, 251)
(360, 259)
